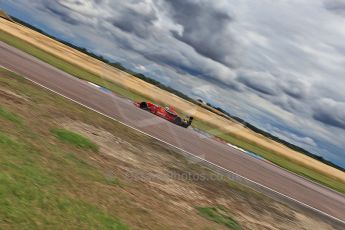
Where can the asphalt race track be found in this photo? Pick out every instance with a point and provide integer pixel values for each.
(325, 201)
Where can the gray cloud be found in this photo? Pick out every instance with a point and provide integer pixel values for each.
(205, 28)
(295, 88)
(294, 138)
(63, 13)
(259, 81)
(335, 6)
(136, 21)
(330, 112)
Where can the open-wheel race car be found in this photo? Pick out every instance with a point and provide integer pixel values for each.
(168, 113)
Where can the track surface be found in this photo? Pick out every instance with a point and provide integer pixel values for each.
(262, 172)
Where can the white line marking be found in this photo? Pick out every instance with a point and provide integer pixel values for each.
(93, 84)
(199, 158)
(235, 147)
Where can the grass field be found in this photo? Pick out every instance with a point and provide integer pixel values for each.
(9, 116)
(65, 167)
(74, 139)
(35, 173)
(270, 155)
(220, 216)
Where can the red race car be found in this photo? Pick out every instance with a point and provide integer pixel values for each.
(168, 113)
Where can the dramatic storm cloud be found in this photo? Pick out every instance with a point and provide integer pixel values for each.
(277, 64)
(331, 113)
(337, 6)
(205, 28)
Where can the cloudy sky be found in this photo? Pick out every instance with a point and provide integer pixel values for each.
(279, 64)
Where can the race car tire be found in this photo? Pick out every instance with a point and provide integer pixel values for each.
(143, 105)
(178, 121)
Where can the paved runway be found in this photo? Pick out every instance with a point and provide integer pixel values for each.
(121, 109)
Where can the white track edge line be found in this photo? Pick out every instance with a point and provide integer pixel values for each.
(199, 158)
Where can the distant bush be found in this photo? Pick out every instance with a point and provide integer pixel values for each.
(4, 15)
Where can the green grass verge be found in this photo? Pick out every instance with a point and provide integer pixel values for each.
(231, 138)
(219, 216)
(9, 116)
(30, 193)
(45, 184)
(74, 139)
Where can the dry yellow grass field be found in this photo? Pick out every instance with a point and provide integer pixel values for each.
(150, 91)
